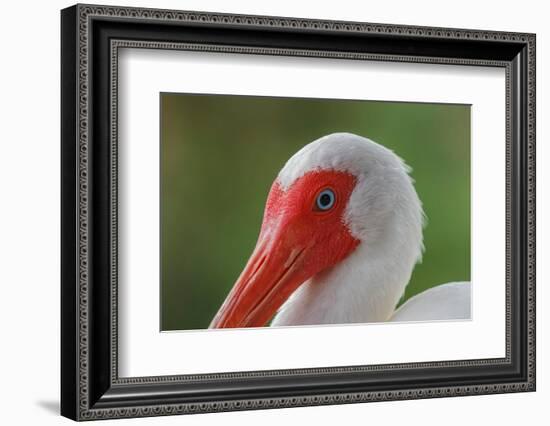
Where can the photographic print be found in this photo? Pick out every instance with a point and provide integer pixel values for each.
(304, 212)
(271, 184)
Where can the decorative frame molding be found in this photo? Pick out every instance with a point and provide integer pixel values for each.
(91, 388)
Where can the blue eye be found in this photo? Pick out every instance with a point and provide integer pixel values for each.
(325, 199)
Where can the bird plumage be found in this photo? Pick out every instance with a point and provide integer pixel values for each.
(449, 301)
(383, 214)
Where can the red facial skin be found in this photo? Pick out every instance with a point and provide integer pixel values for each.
(297, 241)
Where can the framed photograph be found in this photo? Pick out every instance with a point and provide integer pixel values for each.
(263, 212)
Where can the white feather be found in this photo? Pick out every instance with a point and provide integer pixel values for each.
(446, 301)
(384, 213)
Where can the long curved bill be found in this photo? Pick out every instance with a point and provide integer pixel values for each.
(271, 275)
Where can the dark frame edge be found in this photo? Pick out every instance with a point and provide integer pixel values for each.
(522, 175)
(86, 401)
(69, 282)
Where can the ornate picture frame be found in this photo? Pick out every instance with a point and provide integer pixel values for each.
(91, 37)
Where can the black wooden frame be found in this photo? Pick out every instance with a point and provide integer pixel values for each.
(90, 386)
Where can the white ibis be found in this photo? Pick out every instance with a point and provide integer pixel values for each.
(341, 234)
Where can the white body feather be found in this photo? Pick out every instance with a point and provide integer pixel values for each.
(449, 301)
(385, 214)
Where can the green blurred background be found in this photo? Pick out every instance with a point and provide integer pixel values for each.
(220, 154)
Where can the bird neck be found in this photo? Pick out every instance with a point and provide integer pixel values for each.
(365, 287)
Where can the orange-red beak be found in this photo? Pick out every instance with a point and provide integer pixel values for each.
(271, 275)
(296, 242)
